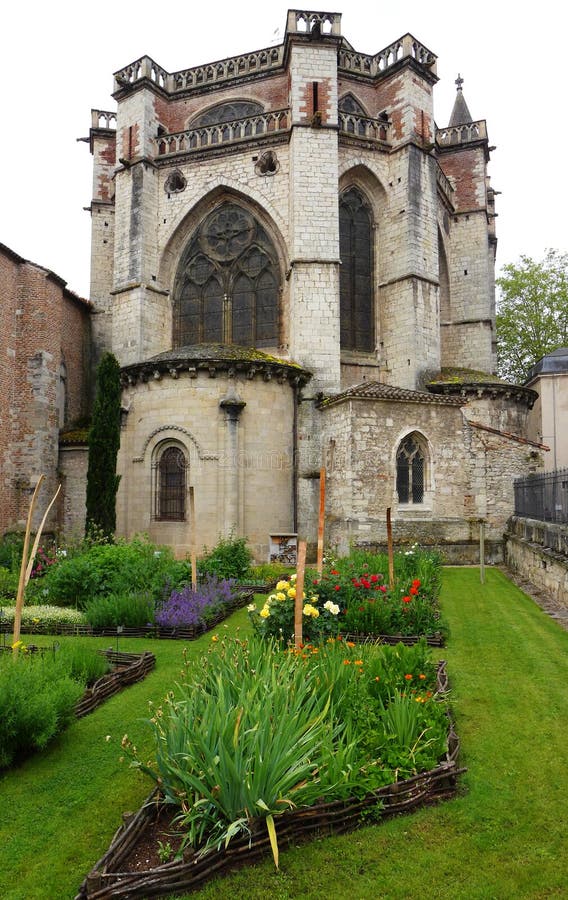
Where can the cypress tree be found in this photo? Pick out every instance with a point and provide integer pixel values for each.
(104, 441)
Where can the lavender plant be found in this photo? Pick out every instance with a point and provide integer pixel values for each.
(196, 607)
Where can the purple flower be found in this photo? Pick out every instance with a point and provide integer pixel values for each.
(189, 607)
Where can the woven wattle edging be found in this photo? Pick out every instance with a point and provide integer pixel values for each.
(133, 667)
(432, 640)
(106, 880)
(181, 632)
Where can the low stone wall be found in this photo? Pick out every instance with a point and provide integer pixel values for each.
(538, 552)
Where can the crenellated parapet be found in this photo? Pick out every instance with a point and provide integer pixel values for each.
(103, 119)
(406, 47)
(269, 60)
(301, 21)
(261, 125)
(455, 135)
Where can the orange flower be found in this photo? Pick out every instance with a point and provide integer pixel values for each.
(408, 677)
(421, 677)
(350, 643)
(358, 662)
(346, 662)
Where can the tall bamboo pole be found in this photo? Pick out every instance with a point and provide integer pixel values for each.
(28, 560)
(193, 553)
(299, 601)
(321, 522)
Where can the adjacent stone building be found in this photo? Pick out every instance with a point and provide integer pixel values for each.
(295, 269)
(548, 419)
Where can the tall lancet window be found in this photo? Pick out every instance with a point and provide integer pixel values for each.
(170, 485)
(410, 470)
(356, 278)
(228, 283)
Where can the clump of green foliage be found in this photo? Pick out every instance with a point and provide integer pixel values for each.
(104, 443)
(38, 695)
(229, 558)
(101, 570)
(132, 610)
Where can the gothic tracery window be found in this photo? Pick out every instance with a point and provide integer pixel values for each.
(227, 112)
(410, 470)
(170, 485)
(356, 275)
(227, 286)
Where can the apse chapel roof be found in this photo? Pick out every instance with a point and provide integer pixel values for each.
(215, 358)
(374, 390)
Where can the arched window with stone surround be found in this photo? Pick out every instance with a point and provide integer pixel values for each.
(170, 483)
(227, 285)
(356, 273)
(411, 469)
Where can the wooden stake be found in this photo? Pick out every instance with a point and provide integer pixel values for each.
(193, 554)
(299, 601)
(389, 549)
(482, 551)
(321, 522)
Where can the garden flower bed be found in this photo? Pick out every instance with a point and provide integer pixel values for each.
(351, 597)
(291, 782)
(128, 668)
(64, 621)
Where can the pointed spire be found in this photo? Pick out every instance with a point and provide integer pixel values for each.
(460, 113)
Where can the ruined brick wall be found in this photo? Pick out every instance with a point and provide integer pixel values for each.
(44, 385)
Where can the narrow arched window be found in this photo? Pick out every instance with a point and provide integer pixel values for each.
(356, 274)
(227, 286)
(170, 485)
(410, 471)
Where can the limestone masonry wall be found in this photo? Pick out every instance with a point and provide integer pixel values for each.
(538, 552)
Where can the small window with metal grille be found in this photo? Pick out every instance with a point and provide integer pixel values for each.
(170, 485)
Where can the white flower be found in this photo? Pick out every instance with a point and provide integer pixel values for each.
(251, 607)
(331, 607)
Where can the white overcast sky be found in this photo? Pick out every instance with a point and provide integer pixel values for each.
(58, 59)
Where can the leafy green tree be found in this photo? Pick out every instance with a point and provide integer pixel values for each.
(532, 313)
(104, 441)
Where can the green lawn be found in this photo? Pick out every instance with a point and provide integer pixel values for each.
(504, 837)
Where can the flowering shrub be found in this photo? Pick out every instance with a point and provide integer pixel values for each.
(368, 605)
(195, 607)
(42, 617)
(276, 618)
(102, 569)
(44, 558)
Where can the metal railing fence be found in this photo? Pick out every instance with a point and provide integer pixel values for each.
(543, 496)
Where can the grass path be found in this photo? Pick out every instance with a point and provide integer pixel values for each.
(506, 836)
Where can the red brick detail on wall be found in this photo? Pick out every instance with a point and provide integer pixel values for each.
(44, 335)
(466, 169)
(175, 114)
